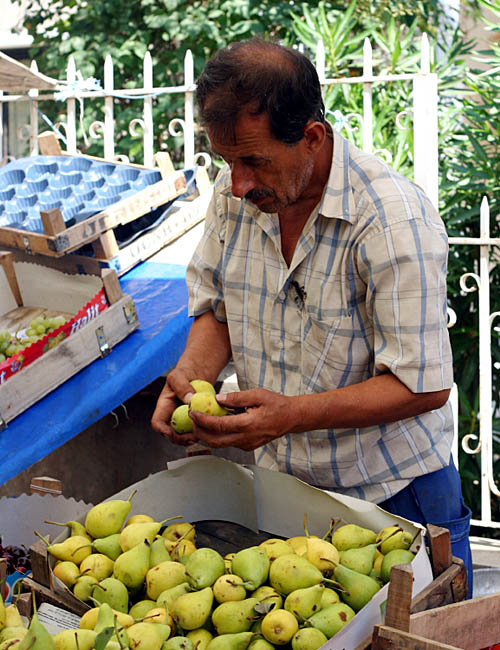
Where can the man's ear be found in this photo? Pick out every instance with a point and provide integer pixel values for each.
(314, 135)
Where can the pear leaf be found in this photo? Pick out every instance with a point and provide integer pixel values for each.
(264, 608)
(101, 640)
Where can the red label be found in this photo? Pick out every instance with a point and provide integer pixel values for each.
(87, 313)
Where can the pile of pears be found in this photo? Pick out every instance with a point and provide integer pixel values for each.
(149, 587)
(203, 399)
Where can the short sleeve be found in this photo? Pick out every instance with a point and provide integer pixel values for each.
(405, 266)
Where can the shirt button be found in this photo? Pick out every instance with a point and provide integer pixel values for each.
(282, 296)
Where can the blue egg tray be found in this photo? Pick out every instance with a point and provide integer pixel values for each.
(80, 187)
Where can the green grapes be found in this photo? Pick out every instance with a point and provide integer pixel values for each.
(11, 344)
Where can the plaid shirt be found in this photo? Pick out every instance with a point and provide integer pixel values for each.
(365, 293)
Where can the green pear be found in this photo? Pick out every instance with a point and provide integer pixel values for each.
(229, 587)
(167, 596)
(238, 641)
(37, 638)
(132, 566)
(141, 608)
(75, 639)
(332, 619)
(74, 549)
(163, 576)
(200, 638)
(322, 554)
(109, 546)
(98, 565)
(159, 552)
(148, 636)
(112, 591)
(329, 597)
(393, 537)
(134, 534)
(352, 536)
(291, 572)
(303, 603)
(180, 420)
(252, 565)
(393, 558)
(68, 572)
(234, 616)
(179, 530)
(108, 517)
(178, 643)
(206, 403)
(275, 547)
(202, 386)
(14, 633)
(12, 616)
(279, 626)
(359, 588)
(203, 567)
(308, 638)
(192, 610)
(259, 643)
(75, 528)
(84, 586)
(359, 559)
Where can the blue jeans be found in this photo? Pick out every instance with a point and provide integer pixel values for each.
(436, 498)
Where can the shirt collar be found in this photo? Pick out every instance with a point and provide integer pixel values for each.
(337, 201)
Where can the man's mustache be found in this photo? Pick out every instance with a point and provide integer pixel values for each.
(255, 195)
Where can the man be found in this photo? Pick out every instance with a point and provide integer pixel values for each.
(322, 274)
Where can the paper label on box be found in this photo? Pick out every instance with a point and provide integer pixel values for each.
(56, 619)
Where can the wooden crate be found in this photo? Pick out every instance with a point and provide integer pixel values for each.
(58, 240)
(469, 625)
(91, 336)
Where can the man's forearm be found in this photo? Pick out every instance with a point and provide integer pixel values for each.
(376, 401)
(207, 349)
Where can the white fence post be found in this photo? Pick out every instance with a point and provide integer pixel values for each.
(425, 126)
(148, 110)
(188, 110)
(71, 109)
(367, 97)
(109, 121)
(33, 115)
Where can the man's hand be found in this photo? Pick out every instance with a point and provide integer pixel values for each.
(177, 384)
(267, 416)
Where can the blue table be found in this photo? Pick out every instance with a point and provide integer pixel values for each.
(160, 297)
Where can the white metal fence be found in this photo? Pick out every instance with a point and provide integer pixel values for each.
(424, 113)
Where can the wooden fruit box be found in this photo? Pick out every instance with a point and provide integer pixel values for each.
(469, 625)
(78, 185)
(99, 316)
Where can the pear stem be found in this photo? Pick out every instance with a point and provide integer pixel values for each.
(56, 523)
(132, 495)
(306, 532)
(42, 538)
(333, 523)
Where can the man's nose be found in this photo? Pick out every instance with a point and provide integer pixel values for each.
(242, 180)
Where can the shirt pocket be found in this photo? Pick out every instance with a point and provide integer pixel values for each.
(336, 353)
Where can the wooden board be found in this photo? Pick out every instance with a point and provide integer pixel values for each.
(120, 213)
(71, 355)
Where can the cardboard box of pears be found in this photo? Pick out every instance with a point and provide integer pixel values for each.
(209, 488)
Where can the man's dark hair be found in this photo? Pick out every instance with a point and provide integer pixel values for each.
(262, 77)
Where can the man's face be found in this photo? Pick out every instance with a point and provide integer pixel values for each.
(264, 170)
